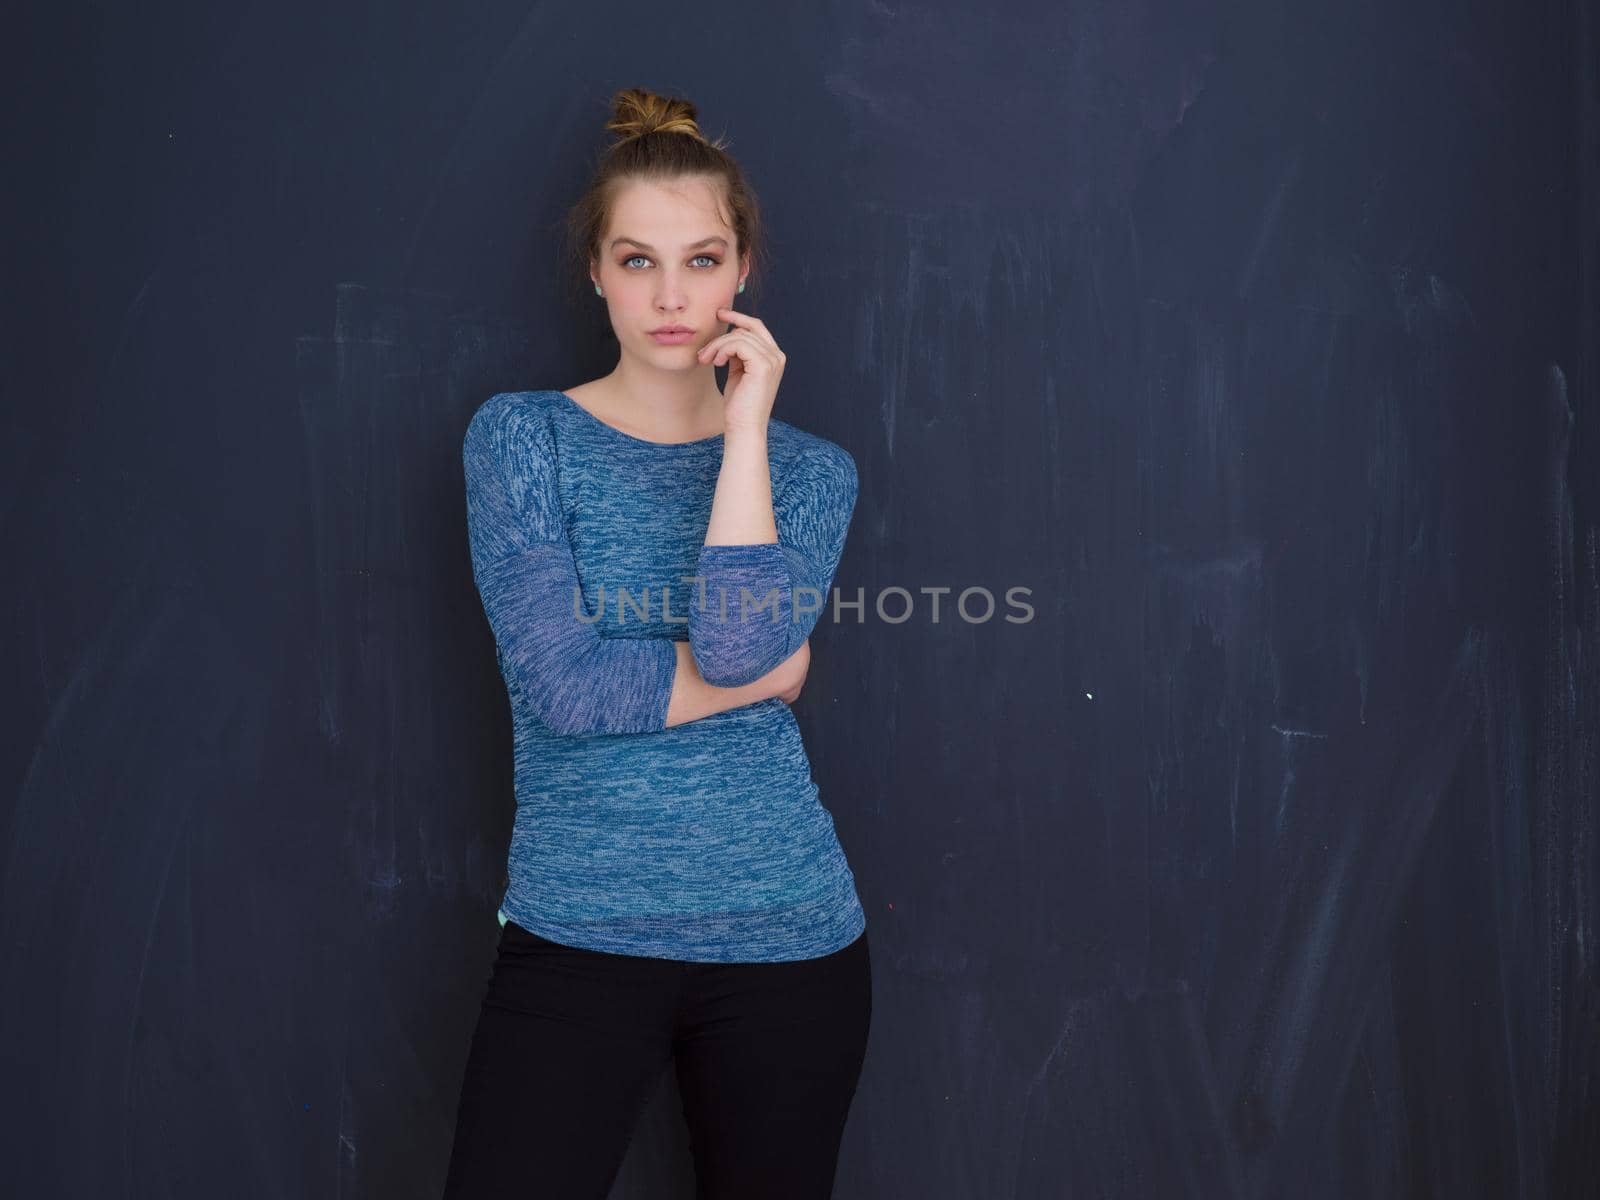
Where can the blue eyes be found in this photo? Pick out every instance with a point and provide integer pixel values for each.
(715, 261)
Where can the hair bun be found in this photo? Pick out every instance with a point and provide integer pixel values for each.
(636, 112)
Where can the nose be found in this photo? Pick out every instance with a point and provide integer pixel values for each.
(670, 294)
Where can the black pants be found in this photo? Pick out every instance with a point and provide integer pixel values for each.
(571, 1043)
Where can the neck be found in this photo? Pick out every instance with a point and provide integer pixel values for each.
(665, 406)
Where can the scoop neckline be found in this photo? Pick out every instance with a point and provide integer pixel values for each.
(628, 437)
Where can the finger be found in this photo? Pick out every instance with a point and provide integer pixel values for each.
(734, 351)
(730, 334)
(746, 349)
(739, 318)
(714, 345)
(745, 321)
(721, 346)
(711, 347)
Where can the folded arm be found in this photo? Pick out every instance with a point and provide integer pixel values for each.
(575, 681)
(759, 600)
(693, 697)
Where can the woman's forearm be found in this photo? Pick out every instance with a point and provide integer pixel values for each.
(741, 507)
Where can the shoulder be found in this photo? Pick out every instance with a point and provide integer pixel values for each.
(512, 408)
(511, 418)
(813, 454)
(510, 436)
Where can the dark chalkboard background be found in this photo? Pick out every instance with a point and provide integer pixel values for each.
(1258, 340)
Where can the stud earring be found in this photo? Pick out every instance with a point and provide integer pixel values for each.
(597, 290)
(741, 288)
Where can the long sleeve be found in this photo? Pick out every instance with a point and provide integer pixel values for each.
(736, 639)
(576, 681)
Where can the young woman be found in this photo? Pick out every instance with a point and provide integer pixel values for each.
(652, 555)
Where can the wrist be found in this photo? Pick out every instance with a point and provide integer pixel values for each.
(744, 431)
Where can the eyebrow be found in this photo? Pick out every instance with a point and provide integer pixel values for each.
(705, 241)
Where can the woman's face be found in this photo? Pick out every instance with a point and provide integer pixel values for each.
(667, 259)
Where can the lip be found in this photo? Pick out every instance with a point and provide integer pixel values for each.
(672, 334)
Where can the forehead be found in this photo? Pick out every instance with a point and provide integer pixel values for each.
(671, 213)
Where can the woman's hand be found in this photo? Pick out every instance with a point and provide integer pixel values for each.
(795, 668)
(755, 365)
(693, 698)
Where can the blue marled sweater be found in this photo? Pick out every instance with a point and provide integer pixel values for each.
(705, 842)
